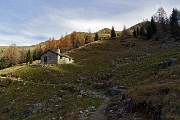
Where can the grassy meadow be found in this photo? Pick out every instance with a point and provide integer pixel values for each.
(132, 63)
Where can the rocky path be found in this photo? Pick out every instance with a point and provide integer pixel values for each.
(100, 113)
(95, 113)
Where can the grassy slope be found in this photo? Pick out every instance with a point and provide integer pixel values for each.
(130, 66)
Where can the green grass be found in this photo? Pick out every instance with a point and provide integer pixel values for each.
(21, 95)
(93, 61)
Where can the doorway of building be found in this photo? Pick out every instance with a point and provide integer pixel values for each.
(45, 59)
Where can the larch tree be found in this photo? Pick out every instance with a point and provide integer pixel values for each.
(12, 55)
(162, 22)
(125, 33)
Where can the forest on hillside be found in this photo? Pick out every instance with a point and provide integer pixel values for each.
(160, 28)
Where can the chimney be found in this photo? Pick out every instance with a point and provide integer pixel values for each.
(58, 51)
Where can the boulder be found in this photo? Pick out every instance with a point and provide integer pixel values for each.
(171, 61)
(117, 89)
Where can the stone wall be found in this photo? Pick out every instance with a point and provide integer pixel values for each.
(64, 60)
(51, 58)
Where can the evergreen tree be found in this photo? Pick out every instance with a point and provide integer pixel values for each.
(96, 37)
(134, 33)
(153, 26)
(137, 31)
(38, 52)
(149, 32)
(174, 26)
(113, 33)
(29, 58)
(142, 31)
(88, 38)
(2, 63)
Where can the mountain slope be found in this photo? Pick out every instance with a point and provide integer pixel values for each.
(58, 89)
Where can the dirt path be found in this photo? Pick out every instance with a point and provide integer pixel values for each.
(100, 112)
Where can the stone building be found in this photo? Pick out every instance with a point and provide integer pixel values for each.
(52, 57)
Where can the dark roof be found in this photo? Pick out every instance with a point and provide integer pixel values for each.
(62, 55)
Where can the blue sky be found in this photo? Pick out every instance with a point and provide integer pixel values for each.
(28, 22)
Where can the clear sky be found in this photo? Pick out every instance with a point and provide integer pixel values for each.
(28, 22)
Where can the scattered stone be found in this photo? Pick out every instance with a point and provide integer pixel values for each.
(117, 89)
(110, 110)
(57, 105)
(171, 61)
(70, 89)
(106, 84)
(33, 109)
(126, 106)
(104, 77)
(86, 111)
(79, 96)
(13, 114)
(80, 79)
(55, 100)
(7, 110)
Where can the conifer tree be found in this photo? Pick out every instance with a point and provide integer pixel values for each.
(142, 31)
(134, 33)
(2, 63)
(137, 31)
(153, 26)
(149, 32)
(96, 37)
(38, 52)
(174, 26)
(29, 58)
(113, 33)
